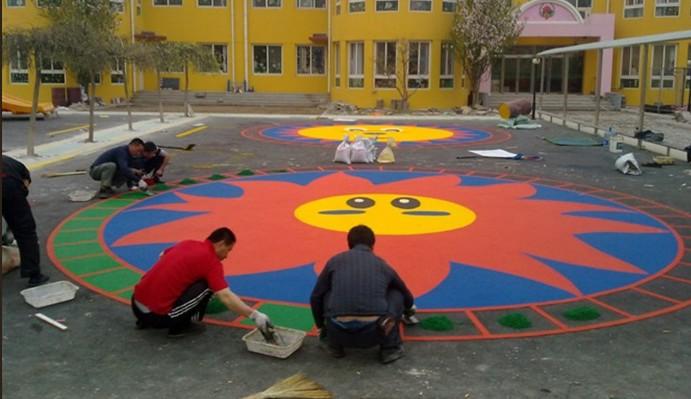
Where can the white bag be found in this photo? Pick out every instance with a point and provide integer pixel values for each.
(343, 151)
(628, 165)
(359, 153)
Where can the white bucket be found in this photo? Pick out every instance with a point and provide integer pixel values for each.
(616, 144)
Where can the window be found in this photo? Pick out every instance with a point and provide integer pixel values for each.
(420, 5)
(663, 66)
(45, 3)
(630, 61)
(583, 6)
(117, 75)
(356, 5)
(387, 5)
(311, 3)
(337, 64)
(211, 3)
(267, 59)
(356, 65)
(267, 3)
(97, 78)
(446, 64)
(118, 5)
(633, 8)
(16, 3)
(418, 65)
(167, 2)
(311, 60)
(19, 69)
(52, 71)
(220, 52)
(338, 7)
(448, 6)
(385, 65)
(688, 67)
(666, 8)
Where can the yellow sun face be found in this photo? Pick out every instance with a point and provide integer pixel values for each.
(380, 132)
(388, 214)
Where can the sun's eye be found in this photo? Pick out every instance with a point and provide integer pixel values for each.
(405, 203)
(360, 202)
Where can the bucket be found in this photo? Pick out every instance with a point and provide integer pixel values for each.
(616, 144)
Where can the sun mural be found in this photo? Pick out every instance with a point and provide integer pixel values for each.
(458, 241)
(406, 134)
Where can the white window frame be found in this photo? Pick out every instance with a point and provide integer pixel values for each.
(421, 65)
(448, 6)
(356, 64)
(666, 81)
(212, 3)
(52, 72)
(223, 62)
(663, 6)
(117, 70)
(118, 6)
(267, 3)
(166, 3)
(630, 73)
(425, 5)
(16, 3)
(634, 8)
(317, 4)
(309, 59)
(583, 9)
(356, 6)
(386, 5)
(337, 63)
(446, 65)
(382, 79)
(19, 66)
(268, 60)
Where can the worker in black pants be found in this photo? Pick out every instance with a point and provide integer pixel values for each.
(17, 213)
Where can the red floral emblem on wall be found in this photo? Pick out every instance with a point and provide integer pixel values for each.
(547, 11)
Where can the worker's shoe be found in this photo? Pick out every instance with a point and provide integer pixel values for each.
(35, 281)
(105, 192)
(390, 355)
(191, 329)
(409, 317)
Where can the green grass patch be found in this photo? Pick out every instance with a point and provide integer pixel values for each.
(246, 172)
(516, 321)
(295, 317)
(216, 176)
(215, 306)
(582, 313)
(437, 323)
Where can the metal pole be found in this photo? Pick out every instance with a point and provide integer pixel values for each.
(543, 61)
(565, 84)
(533, 86)
(644, 86)
(598, 82)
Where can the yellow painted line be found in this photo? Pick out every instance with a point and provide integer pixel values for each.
(39, 165)
(71, 129)
(191, 131)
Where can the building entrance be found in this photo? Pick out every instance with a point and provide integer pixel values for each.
(514, 73)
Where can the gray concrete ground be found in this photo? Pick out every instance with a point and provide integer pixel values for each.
(103, 356)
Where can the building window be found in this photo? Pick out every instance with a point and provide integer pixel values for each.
(117, 72)
(356, 65)
(118, 5)
(584, 7)
(167, 2)
(16, 3)
(356, 5)
(97, 78)
(220, 52)
(337, 64)
(52, 71)
(666, 8)
(446, 64)
(448, 6)
(630, 61)
(311, 3)
(211, 3)
(387, 5)
(267, 3)
(19, 69)
(338, 7)
(633, 8)
(311, 60)
(418, 65)
(46, 3)
(267, 59)
(385, 65)
(663, 66)
(420, 5)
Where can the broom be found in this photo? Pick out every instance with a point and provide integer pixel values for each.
(297, 386)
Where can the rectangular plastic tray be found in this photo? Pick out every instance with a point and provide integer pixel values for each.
(289, 341)
(50, 294)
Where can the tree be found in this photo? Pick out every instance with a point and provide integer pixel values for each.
(397, 67)
(85, 33)
(163, 56)
(482, 31)
(191, 54)
(29, 47)
(125, 54)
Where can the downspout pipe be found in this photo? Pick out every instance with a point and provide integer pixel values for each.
(134, 68)
(328, 50)
(232, 43)
(245, 22)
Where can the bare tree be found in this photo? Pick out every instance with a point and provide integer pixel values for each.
(126, 54)
(398, 71)
(482, 31)
(197, 55)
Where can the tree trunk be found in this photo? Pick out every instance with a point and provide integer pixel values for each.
(187, 87)
(127, 95)
(34, 108)
(160, 95)
(476, 92)
(92, 97)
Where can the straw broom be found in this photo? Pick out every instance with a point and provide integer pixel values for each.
(297, 386)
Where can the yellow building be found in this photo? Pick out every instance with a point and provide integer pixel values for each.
(349, 49)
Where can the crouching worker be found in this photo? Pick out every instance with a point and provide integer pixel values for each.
(359, 300)
(178, 287)
(153, 163)
(112, 168)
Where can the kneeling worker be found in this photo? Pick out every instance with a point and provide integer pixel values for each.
(181, 283)
(359, 300)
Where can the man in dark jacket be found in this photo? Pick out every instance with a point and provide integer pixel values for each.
(17, 213)
(359, 300)
(153, 163)
(112, 167)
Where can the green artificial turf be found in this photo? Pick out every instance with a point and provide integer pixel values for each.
(188, 181)
(215, 306)
(161, 187)
(582, 313)
(515, 320)
(216, 176)
(246, 172)
(437, 323)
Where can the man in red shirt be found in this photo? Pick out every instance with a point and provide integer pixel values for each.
(179, 286)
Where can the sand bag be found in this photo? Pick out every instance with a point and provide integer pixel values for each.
(386, 155)
(343, 151)
(359, 153)
(628, 165)
(10, 258)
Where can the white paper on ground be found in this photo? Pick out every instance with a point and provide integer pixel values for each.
(494, 153)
